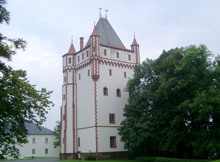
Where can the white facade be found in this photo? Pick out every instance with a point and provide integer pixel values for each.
(94, 96)
(39, 146)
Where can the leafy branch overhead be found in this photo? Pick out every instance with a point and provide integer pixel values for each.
(20, 101)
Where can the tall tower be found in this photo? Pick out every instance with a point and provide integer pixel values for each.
(94, 79)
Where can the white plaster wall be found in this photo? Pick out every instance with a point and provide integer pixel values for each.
(39, 146)
(69, 119)
(104, 134)
(85, 99)
(112, 55)
(87, 140)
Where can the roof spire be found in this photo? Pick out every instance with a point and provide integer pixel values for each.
(135, 42)
(72, 48)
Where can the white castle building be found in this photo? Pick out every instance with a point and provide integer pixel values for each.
(93, 95)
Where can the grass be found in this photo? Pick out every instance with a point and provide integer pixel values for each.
(100, 160)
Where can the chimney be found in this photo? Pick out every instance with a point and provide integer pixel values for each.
(81, 43)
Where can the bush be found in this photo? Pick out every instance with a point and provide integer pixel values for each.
(90, 156)
(145, 159)
(162, 159)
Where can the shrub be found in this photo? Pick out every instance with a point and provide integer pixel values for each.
(162, 159)
(90, 156)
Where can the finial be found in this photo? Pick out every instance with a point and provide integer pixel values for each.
(100, 12)
(134, 34)
(94, 23)
(71, 39)
(106, 13)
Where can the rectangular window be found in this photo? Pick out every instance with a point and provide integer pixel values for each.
(112, 118)
(82, 56)
(46, 140)
(78, 58)
(88, 72)
(78, 141)
(117, 55)
(46, 151)
(105, 52)
(129, 57)
(87, 53)
(110, 72)
(118, 92)
(125, 75)
(105, 91)
(63, 97)
(79, 76)
(69, 60)
(33, 151)
(33, 140)
(112, 142)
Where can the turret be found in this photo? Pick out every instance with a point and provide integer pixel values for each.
(95, 51)
(135, 48)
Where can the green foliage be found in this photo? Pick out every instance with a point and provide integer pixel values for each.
(90, 156)
(56, 143)
(20, 101)
(162, 159)
(173, 109)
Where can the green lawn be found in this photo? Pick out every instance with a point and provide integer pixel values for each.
(100, 160)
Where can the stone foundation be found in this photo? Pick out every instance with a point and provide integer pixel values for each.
(68, 156)
(100, 155)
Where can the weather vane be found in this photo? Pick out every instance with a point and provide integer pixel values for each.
(106, 13)
(100, 12)
(72, 39)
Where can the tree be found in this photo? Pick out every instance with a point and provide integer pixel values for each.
(20, 101)
(173, 107)
(56, 143)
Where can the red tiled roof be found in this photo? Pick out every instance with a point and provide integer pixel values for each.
(135, 42)
(94, 33)
(72, 49)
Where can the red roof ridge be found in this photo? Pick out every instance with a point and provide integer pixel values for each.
(72, 49)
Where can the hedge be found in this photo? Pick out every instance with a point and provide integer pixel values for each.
(162, 159)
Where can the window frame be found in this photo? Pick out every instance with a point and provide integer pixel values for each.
(125, 74)
(46, 140)
(33, 151)
(105, 91)
(118, 92)
(113, 143)
(34, 140)
(46, 150)
(110, 72)
(111, 118)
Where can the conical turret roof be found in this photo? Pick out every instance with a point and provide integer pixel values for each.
(72, 49)
(107, 34)
(135, 42)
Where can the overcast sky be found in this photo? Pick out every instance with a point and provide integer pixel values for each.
(48, 25)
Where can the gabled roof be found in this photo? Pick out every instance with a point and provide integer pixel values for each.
(33, 129)
(107, 34)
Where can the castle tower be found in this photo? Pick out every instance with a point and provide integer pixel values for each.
(93, 94)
